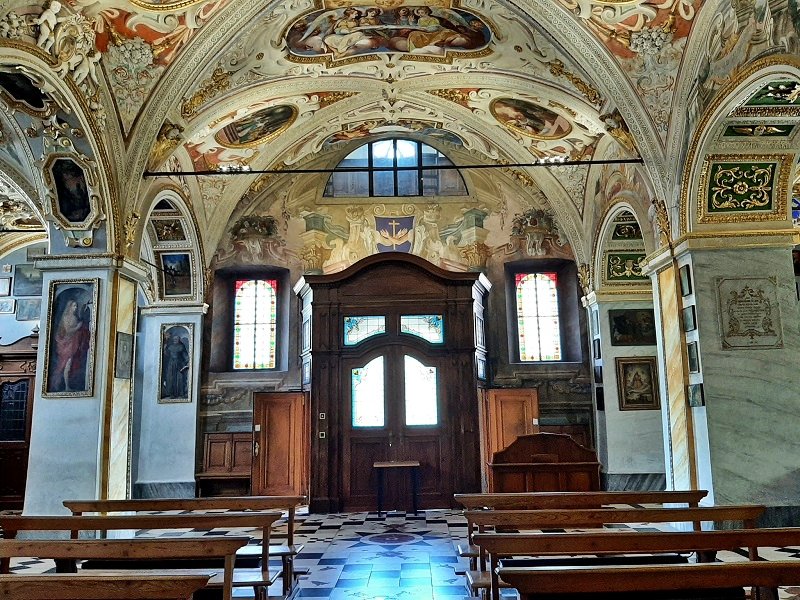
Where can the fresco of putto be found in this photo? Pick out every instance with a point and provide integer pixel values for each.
(360, 30)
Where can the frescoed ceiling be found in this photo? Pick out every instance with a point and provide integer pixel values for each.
(204, 84)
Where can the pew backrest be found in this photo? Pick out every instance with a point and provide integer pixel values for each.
(155, 585)
(569, 500)
(230, 503)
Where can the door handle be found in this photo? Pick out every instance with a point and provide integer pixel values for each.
(391, 439)
(256, 448)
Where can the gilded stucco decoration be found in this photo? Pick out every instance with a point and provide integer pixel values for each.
(360, 130)
(252, 239)
(537, 228)
(624, 267)
(338, 31)
(736, 188)
(16, 214)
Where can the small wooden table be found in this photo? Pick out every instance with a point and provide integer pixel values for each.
(412, 465)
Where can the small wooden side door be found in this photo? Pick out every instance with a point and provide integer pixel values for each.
(510, 413)
(280, 444)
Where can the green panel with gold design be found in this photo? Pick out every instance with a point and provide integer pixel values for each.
(777, 93)
(625, 267)
(747, 130)
(743, 187)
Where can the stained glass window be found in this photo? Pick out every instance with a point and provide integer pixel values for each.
(538, 328)
(255, 323)
(428, 327)
(421, 393)
(367, 392)
(358, 329)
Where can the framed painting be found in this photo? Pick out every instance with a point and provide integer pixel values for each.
(694, 357)
(5, 286)
(6, 306)
(686, 280)
(27, 281)
(176, 274)
(689, 319)
(695, 393)
(632, 327)
(29, 309)
(596, 348)
(123, 358)
(175, 366)
(70, 341)
(71, 184)
(637, 385)
(598, 374)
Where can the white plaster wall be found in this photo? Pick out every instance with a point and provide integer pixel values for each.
(752, 405)
(634, 438)
(65, 449)
(167, 432)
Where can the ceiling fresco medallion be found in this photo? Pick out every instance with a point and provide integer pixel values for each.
(257, 128)
(530, 119)
(339, 33)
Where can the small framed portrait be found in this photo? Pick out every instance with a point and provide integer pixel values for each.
(71, 183)
(6, 306)
(637, 383)
(695, 395)
(694, 357)
(5, 286)
(176, 274)
(123, 359)
(600, 398)
(69, 346)
(27, 281)
(175, 371)
(596, 348)
(632, 327)
(686, 280)
(598, 374)
(689, 319)
(32, 254)
(29, 309)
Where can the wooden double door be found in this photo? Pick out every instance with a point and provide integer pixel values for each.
(395, 409)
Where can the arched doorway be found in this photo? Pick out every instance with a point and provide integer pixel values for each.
(392, 363)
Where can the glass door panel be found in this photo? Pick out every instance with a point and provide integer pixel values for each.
(368, 394)
(421, 397)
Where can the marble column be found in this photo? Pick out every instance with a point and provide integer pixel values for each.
(630, 446)
(81, 424)
(165, 421)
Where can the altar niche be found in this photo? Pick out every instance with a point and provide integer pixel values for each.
(402, 389)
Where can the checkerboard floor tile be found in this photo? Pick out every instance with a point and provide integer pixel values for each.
(398, 556)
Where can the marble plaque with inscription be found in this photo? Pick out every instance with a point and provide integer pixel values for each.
(749, 313)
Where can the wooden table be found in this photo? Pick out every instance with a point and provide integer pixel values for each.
(412, 465)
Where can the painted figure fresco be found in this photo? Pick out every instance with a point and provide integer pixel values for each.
(530, 119)
(70, 339)
(72, 190)
(175, 355)
(360, 30)
(258, 127)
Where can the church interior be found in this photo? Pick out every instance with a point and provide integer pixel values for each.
(354, 250)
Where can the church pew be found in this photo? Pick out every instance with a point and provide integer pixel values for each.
(155, 585)
(627, 582)
(160, 551)
(595, 518)
(565, 500)
(11, 525)
(286, 552)
(705, 543)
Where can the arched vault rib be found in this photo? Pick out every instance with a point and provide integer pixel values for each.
(565, 30)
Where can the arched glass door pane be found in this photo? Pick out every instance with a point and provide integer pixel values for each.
(368, 393)
(421, 393)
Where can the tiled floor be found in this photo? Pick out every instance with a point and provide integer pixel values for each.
(398, 556)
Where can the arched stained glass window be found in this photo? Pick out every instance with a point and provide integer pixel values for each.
(395, 167)
(255, 323)
(538, 327)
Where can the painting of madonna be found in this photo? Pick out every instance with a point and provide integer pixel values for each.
(70, 339)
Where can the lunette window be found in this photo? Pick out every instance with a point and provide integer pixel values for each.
(255, 321)
(411, 170)
(538, 325)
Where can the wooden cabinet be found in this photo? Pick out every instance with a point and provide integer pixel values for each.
(227, 460)
(508, 414)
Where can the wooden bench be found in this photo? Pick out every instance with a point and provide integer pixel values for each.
(480, 579)
(11, 525)
(604, 583)
(562, 501)
(155, 585)
(163, 551)
(286, 552)
(704, 543)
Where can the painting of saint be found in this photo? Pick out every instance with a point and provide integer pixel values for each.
(176, 344)
(257, 128)
(70, 339)
(530, 119)
(72, 190)
(176, 274)
(363, 30)
(636, 382)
